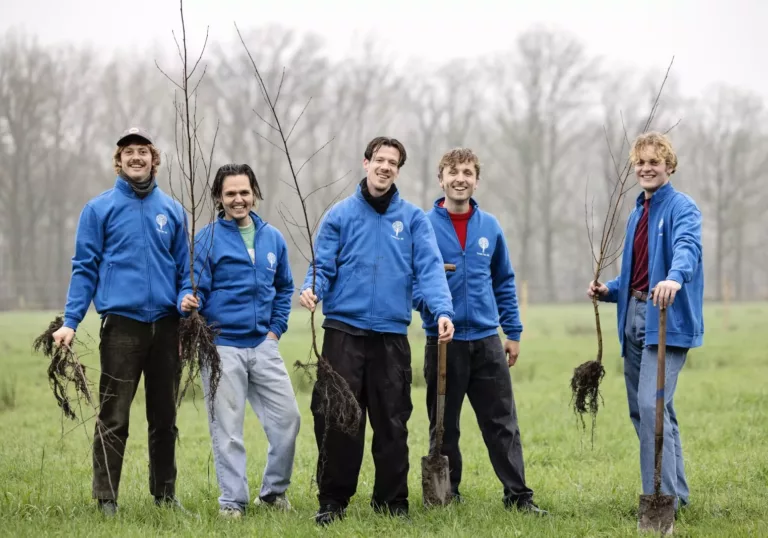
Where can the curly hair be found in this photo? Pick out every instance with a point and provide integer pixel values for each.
(116, 158)
(458, 156)
(661, 145)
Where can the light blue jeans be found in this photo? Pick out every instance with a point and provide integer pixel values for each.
(640, 363)
(257, 375)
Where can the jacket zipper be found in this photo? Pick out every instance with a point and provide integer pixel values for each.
(253, 265)
(146, 259)
(376, 263)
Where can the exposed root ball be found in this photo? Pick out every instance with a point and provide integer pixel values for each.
(585, 386)
(63, 370)
(198, 352)
(337, 401)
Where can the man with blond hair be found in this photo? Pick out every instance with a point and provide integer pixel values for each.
(131, 259)
(661, 268)
(484, 297)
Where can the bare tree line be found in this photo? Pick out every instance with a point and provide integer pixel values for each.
(541, 115)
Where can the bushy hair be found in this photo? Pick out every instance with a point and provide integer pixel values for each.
(233, 170)
(458, 156)
(660, 143)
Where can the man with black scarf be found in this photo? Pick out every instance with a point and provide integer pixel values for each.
(370, 249)
(131, 258)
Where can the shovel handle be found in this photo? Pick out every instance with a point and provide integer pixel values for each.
(442, 354)
(450, 267)
(660, 382)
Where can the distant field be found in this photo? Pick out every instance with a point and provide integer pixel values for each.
(722, 403)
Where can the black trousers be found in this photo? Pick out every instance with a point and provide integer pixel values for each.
(478, 369)
(378, 370)
(129, 348)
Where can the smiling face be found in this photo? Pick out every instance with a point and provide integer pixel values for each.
(136, 162)
(459, 182)
(237, 198)
(382, 170)
(651, 170)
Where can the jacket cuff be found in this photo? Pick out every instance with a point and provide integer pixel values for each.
(514, 336)
(71, 323)
(677, 276)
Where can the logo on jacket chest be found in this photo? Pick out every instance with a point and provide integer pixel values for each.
(397, 226)
(483, 244)
(161, 221)
(272, 259)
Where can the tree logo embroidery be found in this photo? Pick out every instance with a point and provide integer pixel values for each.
(271, 258)
(397, 226)
(483, 242)
(161, 221)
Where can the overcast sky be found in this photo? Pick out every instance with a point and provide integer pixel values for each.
(712, 40)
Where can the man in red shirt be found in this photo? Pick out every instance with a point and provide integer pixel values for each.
(484, 298)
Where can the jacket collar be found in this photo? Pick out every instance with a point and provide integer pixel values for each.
(123, 186)
(359, 195)
(232, 225)
(443, 212)
(664, 192)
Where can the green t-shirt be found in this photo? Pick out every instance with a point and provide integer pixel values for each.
(248, 233)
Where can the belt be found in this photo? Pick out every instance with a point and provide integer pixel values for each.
(639, 295)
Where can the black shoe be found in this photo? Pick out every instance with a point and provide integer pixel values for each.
(108, 507)
(524, 505)
(328, 513)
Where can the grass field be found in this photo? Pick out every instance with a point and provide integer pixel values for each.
(722, 402)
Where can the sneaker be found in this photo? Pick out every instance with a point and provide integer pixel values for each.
(230, 513)
(277, 502)
(108, 507)
(328, 513)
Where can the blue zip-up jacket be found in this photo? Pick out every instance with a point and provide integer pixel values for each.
(674, 253)
(483, 285)
(367, 264)
(131, 256)
(244, 300)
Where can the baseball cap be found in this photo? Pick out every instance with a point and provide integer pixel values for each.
(134, 132)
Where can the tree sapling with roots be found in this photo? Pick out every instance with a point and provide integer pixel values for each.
(197, 346)
(337, 401)
(585, 383)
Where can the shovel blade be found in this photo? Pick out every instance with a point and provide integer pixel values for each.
(656, 513)
(435, 481)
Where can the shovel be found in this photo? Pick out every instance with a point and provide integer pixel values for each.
(435, 481)
(657, 511)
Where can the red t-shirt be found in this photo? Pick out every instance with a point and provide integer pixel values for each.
(460, 221)
(639, 280)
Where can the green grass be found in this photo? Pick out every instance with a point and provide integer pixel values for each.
(722, 402)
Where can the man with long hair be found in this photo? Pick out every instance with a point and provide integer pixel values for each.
(244, 289)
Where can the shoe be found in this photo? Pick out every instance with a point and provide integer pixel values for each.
(277, 502)
(457, 498)
(328, 513)
(525, 505)
(108, 507)
(230, 513)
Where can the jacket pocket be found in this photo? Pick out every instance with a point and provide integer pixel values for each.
(107, 281)
(349, 294)
(394, 296)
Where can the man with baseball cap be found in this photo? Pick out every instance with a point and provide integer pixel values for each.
(131, 259)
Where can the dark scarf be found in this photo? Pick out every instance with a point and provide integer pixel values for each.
(379, 203)
(142, 189)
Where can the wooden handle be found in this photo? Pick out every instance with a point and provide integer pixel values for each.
(660, 382)
(442, 353)
(449, 266)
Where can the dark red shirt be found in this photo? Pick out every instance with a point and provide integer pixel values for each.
(639, 280)
(460, 221)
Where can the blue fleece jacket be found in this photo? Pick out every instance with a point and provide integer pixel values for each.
(367, 264)
(483, 285)
(131, 256)
(674, 253)
(244, 300)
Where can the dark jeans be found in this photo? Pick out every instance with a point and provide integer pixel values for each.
(478, 369)
(378, 370)
(127, 349)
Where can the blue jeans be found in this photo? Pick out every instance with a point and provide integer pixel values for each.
(640, 375)
(259, 376)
